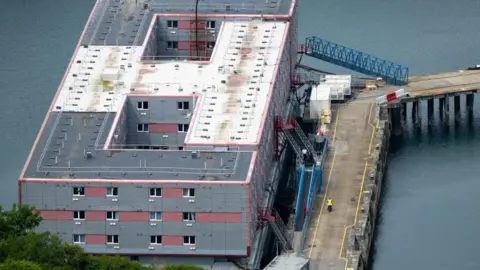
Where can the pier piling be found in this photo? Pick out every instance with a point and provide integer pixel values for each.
(470, 106)
(456, 107)
(430, 111)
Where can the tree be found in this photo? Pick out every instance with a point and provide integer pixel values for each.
(21, 248)
(20, 220)
(19, 265)
(43, 248)
(112, 263)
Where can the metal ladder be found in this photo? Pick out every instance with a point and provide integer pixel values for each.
(305, 141)
(280, 231)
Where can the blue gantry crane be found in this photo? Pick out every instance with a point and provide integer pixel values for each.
(355, 60)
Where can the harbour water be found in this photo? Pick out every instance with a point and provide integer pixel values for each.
(428, 214)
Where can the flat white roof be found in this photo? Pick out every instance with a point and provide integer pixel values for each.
(320, 93)
(233, 87)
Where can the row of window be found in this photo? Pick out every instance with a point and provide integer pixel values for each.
(182, 128)
(181, 105)
(174, 24)
(174, 44)
(153, 192)
(115, 239)
(154, 216)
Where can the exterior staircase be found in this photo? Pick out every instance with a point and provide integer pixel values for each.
(298, 140)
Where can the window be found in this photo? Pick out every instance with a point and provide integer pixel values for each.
(182, 127)
(142, 105)
(156, 216)
(188, 216)
(172, 24)
(79, 215)
(112, 191)
(210, 44)
(210, 24)
(189, 240)
(134, 258)
(172, 44)
(183, 105)
(79, 238)
(155, 192)
(112, 215)
(188, 192)
(112, 239)
(156, 240)
(142, 127)
(78, 191)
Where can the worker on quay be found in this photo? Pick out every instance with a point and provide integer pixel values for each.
(329, 204)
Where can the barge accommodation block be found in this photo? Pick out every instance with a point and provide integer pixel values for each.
(160, 138)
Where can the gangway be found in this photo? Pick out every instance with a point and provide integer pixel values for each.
(279, 229)
(355, 60)
(298, 140)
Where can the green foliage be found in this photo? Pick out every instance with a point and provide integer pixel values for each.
(19, 265)
(18, 221)
(23, 249)
(112, 263)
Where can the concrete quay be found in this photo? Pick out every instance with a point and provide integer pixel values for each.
(347, 167)
(358, 155)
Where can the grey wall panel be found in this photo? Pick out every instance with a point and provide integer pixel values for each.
(100, 204)
(113, 228)
(217, 240)
(168, 250)
(32, 194)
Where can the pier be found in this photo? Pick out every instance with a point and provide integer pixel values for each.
(353, 172)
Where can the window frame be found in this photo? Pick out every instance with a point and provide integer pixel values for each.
(172, 45)
(113, 236)
(144, 127)
(80, 191)
(183, 105)
(155, 189)
(211, 24)
(172, 24)
(189, 192)
(181, 128)
(80, 236)
(209, 44)
(191, 216)
(114, 216)
(114, 190)
(79, 213)
(156, 237)
(141, 105)
(156, 213)
(189, 237)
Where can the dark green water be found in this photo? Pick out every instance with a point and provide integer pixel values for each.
(428, 215)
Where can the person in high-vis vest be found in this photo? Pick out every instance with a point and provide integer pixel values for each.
(329, 204)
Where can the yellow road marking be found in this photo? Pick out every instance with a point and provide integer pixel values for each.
(361, 190)
(328, 183)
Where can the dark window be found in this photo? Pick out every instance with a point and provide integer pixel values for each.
(183, 105)
(172, 44)
(182, 127)
(78, 191)
(189, 240)
(156, 239)
(142, 105)
(155, 192)
(172, 24)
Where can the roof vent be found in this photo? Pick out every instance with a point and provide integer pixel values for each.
(88, 155)
(195, 154)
